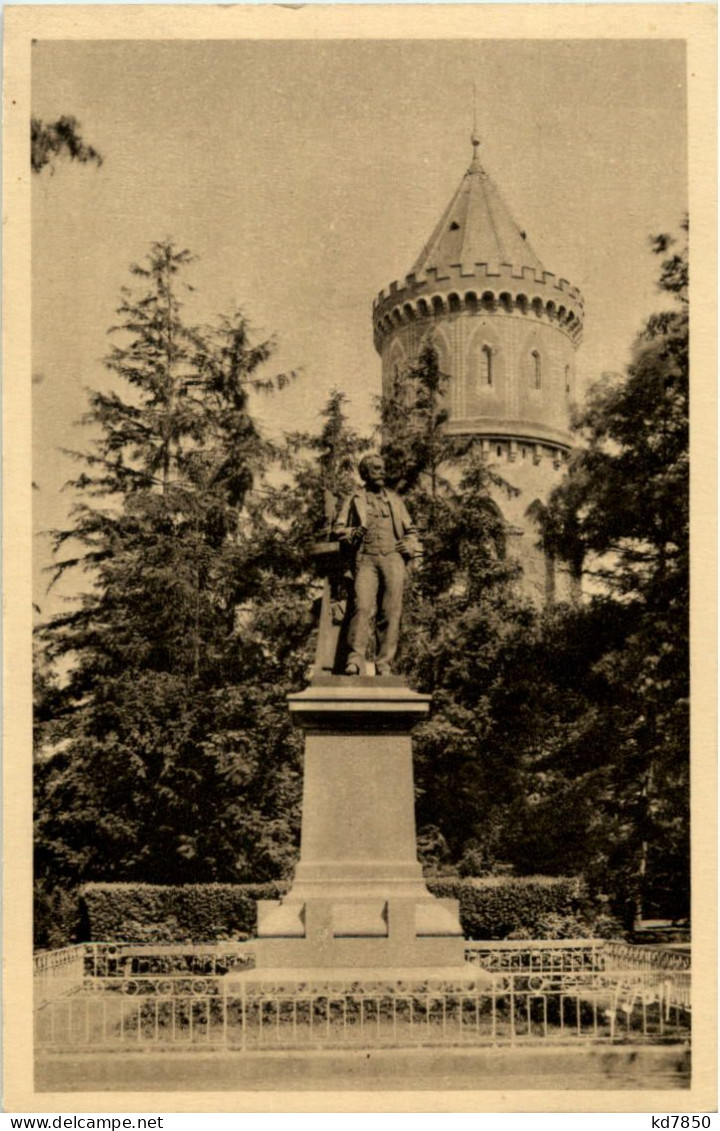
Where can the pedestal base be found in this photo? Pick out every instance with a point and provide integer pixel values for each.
(360, 933)
(358, 899)
(338, 981)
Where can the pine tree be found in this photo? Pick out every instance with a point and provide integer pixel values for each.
(62, 138)
(324, 467)
(177, 763)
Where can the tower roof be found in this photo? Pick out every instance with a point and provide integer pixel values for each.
(476, 227)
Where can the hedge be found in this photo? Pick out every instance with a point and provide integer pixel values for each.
(167, 913)
(490, 908)
(497, 907)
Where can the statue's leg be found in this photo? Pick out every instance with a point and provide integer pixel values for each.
(366, 591)
(346, 601)
(393, 574)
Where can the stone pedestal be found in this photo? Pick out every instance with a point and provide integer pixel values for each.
(358, 898)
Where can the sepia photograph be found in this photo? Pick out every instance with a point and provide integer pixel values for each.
(357, 368)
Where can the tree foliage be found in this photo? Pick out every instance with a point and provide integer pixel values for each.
(177, 760)
(462, 610)
(624, 511)
(50, 140)
(558, 741)
(323, 468)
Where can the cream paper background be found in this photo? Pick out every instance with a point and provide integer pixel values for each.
(696, 24)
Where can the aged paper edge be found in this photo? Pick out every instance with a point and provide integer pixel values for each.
(694, 23)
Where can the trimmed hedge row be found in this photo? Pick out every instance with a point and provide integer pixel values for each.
(490, 908)
(168, 913)
(498, 907)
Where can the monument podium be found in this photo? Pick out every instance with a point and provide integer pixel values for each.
(358, 898)
(358, 908)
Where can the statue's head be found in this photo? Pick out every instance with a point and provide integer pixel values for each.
(372, 470)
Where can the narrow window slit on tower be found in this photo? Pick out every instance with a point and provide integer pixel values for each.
(486, 366)
(454, 227)
(537, 369)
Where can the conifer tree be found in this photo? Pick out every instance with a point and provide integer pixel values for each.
(49, 140)
(324, 466)
(175, 762)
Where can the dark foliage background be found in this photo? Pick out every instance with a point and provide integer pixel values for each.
(490, 908)
(559, 738)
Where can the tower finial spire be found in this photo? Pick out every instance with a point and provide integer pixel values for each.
(475, 137)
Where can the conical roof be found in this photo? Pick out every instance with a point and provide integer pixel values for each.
(476, 227)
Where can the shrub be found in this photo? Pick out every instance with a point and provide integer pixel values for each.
(494, 907)
(55, 917)
(491, 907)
(156, 913)
(433, 852)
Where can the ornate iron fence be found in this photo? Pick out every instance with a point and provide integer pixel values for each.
(126, 960)
(538, 955)
(195, 997)
(58, 972)
(629, 957)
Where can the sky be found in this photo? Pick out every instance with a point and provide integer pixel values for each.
(307, 175)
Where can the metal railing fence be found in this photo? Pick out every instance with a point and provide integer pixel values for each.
(58, 972)
(512, 1009)
(114, 996)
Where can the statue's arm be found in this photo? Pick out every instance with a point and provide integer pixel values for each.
(411, 545)
(347, 528)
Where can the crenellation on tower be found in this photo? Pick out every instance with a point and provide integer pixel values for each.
(506, 331)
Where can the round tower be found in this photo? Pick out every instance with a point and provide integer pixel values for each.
(506, 332)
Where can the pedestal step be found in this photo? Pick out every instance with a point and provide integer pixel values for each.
(375, 932)
(341, 980)
(358, 899)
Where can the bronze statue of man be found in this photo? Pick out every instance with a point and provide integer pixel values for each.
(374, 523)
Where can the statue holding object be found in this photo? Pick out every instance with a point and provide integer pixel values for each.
(365, 567)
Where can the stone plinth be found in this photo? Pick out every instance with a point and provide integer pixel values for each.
(358, 898)
(372, 981)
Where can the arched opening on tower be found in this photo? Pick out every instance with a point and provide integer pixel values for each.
(484, 371)
(488, 301)
(484, 546)
(497, 529)
(440, 343)
(486, 366)
(397, 365)
(547, 568)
